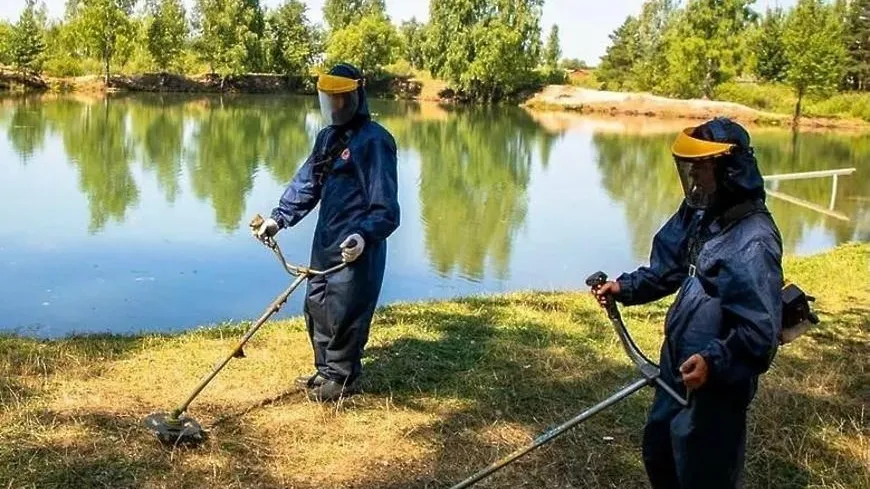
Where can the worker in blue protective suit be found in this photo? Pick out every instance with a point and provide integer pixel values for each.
(352, 174)
(722, 251)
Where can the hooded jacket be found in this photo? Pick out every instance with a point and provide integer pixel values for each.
(352, 174)
(728, 308)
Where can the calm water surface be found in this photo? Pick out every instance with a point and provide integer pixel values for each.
(131, 214)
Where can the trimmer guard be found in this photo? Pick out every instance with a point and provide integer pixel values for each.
(182, 431)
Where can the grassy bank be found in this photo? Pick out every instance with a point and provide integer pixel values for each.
(387, 85)
(781, 99)
(450, 387)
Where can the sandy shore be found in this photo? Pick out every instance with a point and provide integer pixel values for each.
(586, 101)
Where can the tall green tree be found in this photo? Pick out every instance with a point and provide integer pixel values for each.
(816, 64)
(413, 42)
(574, 64)
(487, 49)
(706, 46)
(553, 49)
(134, 55)
(230, 34)
(167, 32)
(105, 26)
(339, 14)
(28, 40)
(6, 31)
(616, 65)
(292, 42)
(650, 69)
(369, 44)
(858, 45)
(771, 64)
(65, 49)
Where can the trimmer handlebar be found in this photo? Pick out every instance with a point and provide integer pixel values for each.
(647, 367)
(651, 374)
(596, 281)
(294, 270)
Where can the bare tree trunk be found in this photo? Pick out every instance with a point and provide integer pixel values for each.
(797, 108)
(106, 59)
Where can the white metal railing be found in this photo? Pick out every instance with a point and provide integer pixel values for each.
(809, 174)
(835, 176)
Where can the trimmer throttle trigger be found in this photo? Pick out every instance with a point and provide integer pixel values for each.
(597, 279)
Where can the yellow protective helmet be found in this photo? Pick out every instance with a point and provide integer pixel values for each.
(334, 85)
(688, 147)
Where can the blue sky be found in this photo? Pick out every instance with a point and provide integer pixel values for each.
(584, 24)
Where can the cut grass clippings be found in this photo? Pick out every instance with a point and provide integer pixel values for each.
(450, 387)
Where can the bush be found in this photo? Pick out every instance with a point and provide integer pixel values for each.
(191, 64)
(767, 97)
(400, 68)
(852, 104)
(139, 61)
(585, 79)
(553, 76)
(64, 65)
(781, 99)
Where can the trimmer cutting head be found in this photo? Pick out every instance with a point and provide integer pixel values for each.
(175, 431)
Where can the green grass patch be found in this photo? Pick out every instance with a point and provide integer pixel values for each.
(450, 386)
(781, 99)
(843, 105)
(767, 97)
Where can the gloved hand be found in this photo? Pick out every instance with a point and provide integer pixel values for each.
(268, 229)
(351, 253)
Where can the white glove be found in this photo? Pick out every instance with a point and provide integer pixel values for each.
(268, 229)
(351, 253)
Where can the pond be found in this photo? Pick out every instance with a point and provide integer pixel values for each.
(130, 214)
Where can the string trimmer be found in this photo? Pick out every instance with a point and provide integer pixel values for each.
(176, 427)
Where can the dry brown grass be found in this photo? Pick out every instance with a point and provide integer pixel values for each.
(450, 387)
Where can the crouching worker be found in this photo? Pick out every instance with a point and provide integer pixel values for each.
(352, 173)
(723, 252)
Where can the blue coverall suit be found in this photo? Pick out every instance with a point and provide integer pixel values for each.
(357, 192)
(728, 310)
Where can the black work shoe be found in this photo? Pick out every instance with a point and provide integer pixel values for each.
(307, 382)
(330, 391)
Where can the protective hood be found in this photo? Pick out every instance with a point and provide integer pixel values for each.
(737, 174)
(341, 79)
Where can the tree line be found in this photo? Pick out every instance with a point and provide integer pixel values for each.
(688, 49)
(483, 48)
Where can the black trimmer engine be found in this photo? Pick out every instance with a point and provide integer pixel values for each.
(797, 314)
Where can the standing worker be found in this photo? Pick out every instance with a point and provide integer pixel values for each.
(352, 174)
(723, 252)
